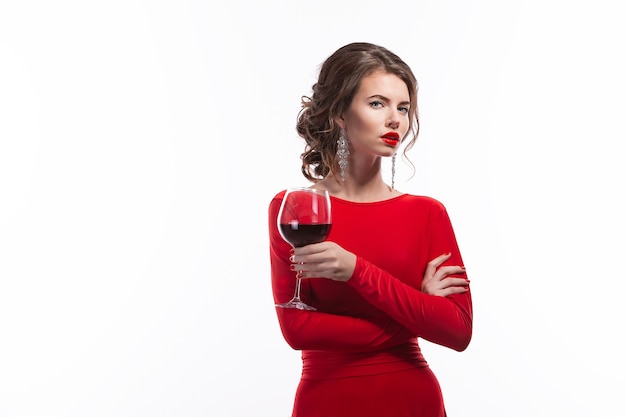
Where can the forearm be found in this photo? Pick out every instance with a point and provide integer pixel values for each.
(446, 321)
(313, 330)
(317, 330)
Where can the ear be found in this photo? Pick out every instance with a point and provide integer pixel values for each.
(340, 122)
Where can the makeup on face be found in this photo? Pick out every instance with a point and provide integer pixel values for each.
(378, 118)
(391, 138)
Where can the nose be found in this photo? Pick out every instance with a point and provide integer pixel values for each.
(393, 122)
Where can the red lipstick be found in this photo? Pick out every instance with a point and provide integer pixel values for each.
(391, 138)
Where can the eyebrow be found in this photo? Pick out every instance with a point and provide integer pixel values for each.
(386, 99)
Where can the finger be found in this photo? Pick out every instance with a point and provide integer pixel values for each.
(311, 253)
(315, 274)
(444, 271)
(324, 270)
(454, 282)
(454, 290)
(312, 248)
(311, 267)
(435, 263)
(308, 275)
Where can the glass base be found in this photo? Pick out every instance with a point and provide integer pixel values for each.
(300, 305)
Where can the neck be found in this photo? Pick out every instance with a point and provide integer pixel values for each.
(374, 189)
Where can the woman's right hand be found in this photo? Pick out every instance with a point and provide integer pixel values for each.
(323, 260)
(436, 281)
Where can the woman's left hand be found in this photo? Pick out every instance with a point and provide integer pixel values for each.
(437, 282)
(323, 260)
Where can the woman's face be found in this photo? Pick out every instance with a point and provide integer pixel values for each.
(378, 117)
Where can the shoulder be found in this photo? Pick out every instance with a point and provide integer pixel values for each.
(275, 201)
(423, 201)
(279, 195)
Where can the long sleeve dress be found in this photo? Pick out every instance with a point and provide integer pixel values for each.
(360, 349)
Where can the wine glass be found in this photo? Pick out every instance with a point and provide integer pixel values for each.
(304, 218)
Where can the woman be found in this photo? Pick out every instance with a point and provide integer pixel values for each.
(389, 272)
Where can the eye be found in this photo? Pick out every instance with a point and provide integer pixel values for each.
(403, 110)
(377, 104)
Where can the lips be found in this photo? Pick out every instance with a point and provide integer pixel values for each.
(391, 138)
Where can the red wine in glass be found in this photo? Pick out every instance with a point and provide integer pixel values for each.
(304, 234)
(304, 218)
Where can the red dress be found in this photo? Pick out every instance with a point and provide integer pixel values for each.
(360, 348)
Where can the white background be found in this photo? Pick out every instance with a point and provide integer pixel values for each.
(141, 142)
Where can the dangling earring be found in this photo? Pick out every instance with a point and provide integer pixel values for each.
(342, 153)
(393, 171)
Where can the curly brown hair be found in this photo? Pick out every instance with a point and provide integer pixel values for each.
(338, 82)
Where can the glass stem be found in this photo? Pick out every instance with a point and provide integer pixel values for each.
(296, 296)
